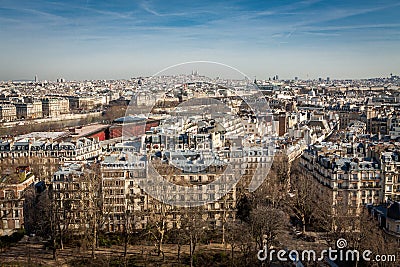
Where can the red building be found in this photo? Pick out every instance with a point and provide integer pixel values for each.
(100, 131)
(131, 126)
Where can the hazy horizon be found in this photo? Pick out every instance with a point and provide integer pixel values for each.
(101, 40)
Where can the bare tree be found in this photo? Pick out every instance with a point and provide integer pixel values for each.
(47, 224)
(131, 217)
(128, 226)
(243, 207)
(91, 208)
(362, 233)
(113, 112)
(157, 224)
(309, 201)
(303, 198)
(371, 237)
(194, 227)
(266, 223)
(281, 167)
(177, 234)
(159, 213)
(238, 236)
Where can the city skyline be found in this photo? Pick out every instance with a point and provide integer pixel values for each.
(82, 40)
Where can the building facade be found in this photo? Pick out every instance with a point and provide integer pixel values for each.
(346, 177)
(8, 112)
(12, 196)
(29, 110)
(53, 107)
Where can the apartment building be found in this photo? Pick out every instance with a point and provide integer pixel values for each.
(391, 168)
(74, 194)
(12, 197)
(45, 154)
(29, 110)
(53, 107)
(347, 113)
(8, 112)
(388, 156)
(394, 127)
(80, 149)
(123, 201)
(84, 102)
(348, 177)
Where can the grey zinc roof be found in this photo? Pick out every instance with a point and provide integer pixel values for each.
(128, 119)
(110, 159)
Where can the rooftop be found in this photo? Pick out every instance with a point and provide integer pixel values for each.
(87, 130)
(44, 135)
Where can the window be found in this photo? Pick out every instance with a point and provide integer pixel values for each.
(9, 194)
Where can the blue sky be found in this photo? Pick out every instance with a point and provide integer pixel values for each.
(123, 39)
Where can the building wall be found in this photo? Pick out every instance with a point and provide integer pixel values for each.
(356, 187)
(52, 107)
(282, 124)
(391, 177)
(29, 110)
(131, 129)
(12, 203)
(122, 196)
(8, 112)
